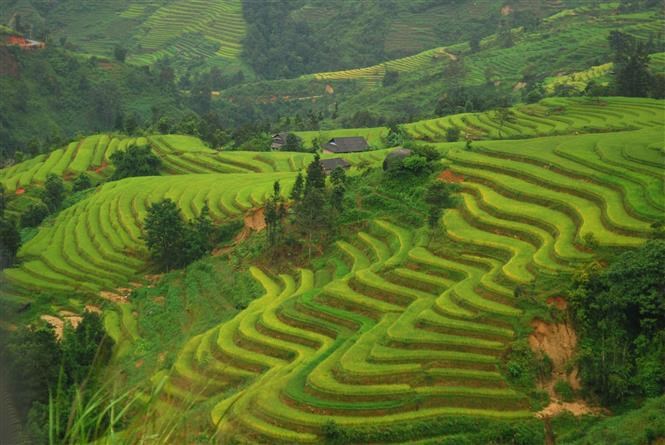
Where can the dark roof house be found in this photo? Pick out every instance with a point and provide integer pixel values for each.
(331, 164)
(278, 140)
(350, 144)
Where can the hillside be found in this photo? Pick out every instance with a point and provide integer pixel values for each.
(334, 222)
(493, 74)
(391, 329)
(215, 33)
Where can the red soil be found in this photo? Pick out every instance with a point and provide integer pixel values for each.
(558, 302)
(101, 167)
(450, 177)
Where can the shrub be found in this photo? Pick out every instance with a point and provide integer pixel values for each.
(135, 161)
(564, 390)
(452, 134)
(82, 182)
(34, 215)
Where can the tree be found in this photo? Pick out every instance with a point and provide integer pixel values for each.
(452, 134)
(390, 78)
(172, 243)
(396, 135)
(33, 357)
(293, 143)
(54, 191)
(135, 161)
(619, 313)
(298, 189)
(164, 233)
(120, 53)
(338, 180)
(85, 346)
(10, 241)
(416, 165)
(197, 237)
(82, 182)
(312, 213)
(34, 214)
(316, 178)
(438, 197)
(274, 214)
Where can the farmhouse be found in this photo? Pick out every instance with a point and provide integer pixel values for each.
(396, 155)
(278, 141)
(331, 164)
(352, 144)
(23, 43)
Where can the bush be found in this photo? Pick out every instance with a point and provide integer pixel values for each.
(34, 215)
(135, 161)
(82, 182)
(452, 134)
(564, 390)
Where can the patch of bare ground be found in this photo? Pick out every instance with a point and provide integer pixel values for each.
(58, 323)
(119, 297)
(558, 341)
(254, 221)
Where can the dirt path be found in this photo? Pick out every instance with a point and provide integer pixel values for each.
(559, 342)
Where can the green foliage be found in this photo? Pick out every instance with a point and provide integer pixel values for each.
(274, 214)
(298, 188)
(644, 425)
(226, 232)
(293, 143)
(49, 375)
(165, 230)
(524, 368)
(438, 197)
(453, 134)
(458, 430)
(34, 214)
(173, 243)
(10, 241)
(82, 182)
(621, 319)
(631, 64)
(135, 161)
(564, 390)
(54, 191)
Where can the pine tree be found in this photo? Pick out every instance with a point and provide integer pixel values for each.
(274, 214)
(338, 180)
(298, 189)
(316, 178)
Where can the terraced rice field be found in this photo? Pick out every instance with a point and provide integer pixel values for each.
(373, 75)
(180, 155)
(578, 80)
(220, 21)
(96, 244)
(392, 331)
(549, 117)
(91, 155)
